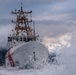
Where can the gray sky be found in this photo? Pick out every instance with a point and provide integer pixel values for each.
(43, 10)
(52, 17)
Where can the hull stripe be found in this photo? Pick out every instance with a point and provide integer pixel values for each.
(11, 59)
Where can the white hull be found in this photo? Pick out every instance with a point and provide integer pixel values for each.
(27, 53)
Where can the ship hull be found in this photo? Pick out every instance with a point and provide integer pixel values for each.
(30, 53)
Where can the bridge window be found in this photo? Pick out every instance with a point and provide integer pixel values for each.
(24, 39)
(9, 39)
(17, 39)
(20, 38)
(29, 39)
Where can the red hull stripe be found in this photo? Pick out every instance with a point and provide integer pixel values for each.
(11, 59)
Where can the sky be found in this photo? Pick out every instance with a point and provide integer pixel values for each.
(53, 18)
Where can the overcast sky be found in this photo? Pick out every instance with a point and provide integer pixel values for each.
(52, 17)
(43, 10)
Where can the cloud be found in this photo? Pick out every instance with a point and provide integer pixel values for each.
(42, 9)
(57, 43)
(5, 30)
(45, 1)
(47, 17)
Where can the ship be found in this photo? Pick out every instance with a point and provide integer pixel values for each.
(24, 49)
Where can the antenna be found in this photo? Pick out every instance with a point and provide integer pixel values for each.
(21, 3)
(21, 8)
(34, 30)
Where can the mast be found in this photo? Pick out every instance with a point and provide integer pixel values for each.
(22, 21)
(34, 30)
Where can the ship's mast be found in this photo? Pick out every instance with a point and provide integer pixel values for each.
(22, 21)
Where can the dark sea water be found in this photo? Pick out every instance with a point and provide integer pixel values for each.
(3, 52)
